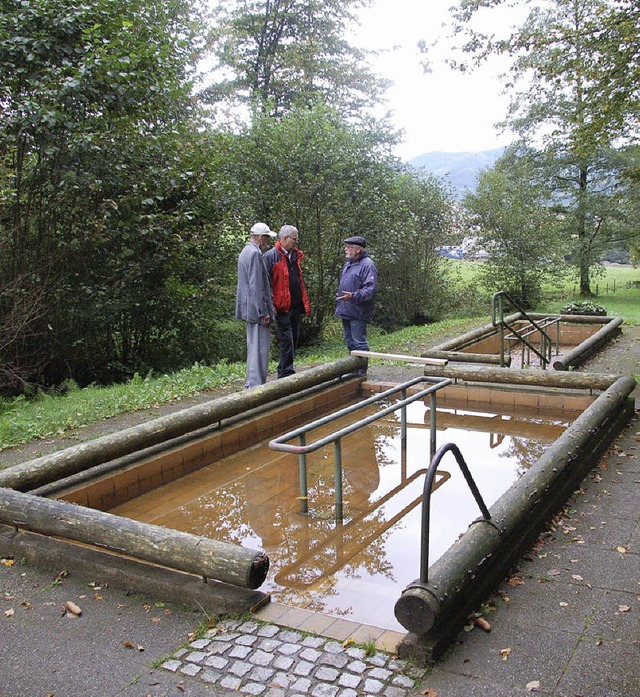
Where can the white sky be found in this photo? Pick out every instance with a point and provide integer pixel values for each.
(441, 111)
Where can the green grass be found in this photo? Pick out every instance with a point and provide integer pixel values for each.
(45, 416)
(23, 420)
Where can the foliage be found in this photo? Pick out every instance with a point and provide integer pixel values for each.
(95, 186)
(63, 411)
(332, 179)
(512, 220)
(277, 55)
(562, 57)
(586, 307)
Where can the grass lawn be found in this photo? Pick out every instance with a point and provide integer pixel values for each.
(46, 415)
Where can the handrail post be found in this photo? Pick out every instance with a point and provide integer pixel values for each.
(432, 425)
(302, 466)
(403, 419)
(338, 478)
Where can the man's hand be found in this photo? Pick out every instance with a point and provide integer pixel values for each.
(346, 295)
(264, 321)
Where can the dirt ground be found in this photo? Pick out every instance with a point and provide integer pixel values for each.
(620, 356)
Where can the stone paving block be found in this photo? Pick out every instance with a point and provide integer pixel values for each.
(288, 636)
(261, 674)
(196, 657)
(282, 662)
(261, 658)
(239, 651)
(324, 690)
(349, 680)
(310, 655)
(246, 640)
(303, 668)
(200, 643)
(373, 687)
(337, 660)
(380, 674)
(210, 676)
(172, 665)
(269, 630)
(253, 688)
(357, 667)
(230, 682)
(190, 669)
(302, 685)
(288, 649)
(216, 662)
(240, 668)
(326, 674)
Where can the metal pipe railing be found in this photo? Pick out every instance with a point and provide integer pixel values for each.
(426, 501)
(303, 448)
(497, 319)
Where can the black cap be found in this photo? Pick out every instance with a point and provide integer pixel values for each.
(360, 241)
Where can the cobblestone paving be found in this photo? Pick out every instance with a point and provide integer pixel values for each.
(264, 659)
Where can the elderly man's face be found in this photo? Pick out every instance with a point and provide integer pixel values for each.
(263, 242)
(290, 241)
(352, 251)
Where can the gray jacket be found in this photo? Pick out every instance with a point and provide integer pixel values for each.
(253, 294)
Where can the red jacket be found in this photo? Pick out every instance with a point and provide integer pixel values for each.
(278, 269)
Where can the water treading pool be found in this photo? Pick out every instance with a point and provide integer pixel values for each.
(354, 568)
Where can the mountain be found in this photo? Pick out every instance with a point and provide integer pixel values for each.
(460, 169)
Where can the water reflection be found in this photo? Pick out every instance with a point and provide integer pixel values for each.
(357, 567)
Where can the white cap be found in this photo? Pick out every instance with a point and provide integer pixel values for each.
(262, 229)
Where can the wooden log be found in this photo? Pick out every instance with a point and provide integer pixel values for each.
(472, 336)
(461, 578)
(572, 319)
(400, 357)
(463, 357)
(581, 352)
(50, 468)
(183, 551)
(530, 376)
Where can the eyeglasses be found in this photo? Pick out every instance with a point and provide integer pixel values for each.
(295, 239)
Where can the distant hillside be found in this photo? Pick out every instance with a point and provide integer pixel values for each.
(460, 169)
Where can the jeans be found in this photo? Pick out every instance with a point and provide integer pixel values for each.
(355, 334)
(288, 330)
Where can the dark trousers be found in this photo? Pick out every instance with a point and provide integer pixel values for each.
(288, 330)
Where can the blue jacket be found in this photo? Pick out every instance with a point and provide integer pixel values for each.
(359, 277)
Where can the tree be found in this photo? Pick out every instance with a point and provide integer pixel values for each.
(563, 55)
(96, 98)
(280, 54)
(513, 220)
(333, 179)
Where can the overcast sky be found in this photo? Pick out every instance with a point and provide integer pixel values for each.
(444, 110)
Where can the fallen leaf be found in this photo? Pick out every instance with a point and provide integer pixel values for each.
(505, 653)
(348, 642)
(156, 619)
(577, 577)
(71, 607)
(429, 693)
(128, 645)
(10, 612)
(553, 572)
(8, 562)
(624, 608)
(599, 642)
(564, 604)
(533, 686)
(622, 550)
(482, 623)
(515, 581)
(180, 686)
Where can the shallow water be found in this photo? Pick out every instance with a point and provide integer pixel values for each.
(355, 568)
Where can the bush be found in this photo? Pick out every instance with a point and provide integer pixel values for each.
(583, 308)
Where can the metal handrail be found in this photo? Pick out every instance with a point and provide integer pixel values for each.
(280, 443)
(426, 502)
(497, 319)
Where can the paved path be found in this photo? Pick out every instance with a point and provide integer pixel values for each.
(567, 624)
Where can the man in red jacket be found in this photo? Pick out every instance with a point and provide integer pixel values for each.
(289, 294)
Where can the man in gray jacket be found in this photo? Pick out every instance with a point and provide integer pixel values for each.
(254, 303)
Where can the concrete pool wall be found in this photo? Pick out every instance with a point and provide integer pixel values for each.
(576, 336)
(463, 576)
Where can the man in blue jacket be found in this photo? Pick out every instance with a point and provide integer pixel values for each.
(357, 288)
